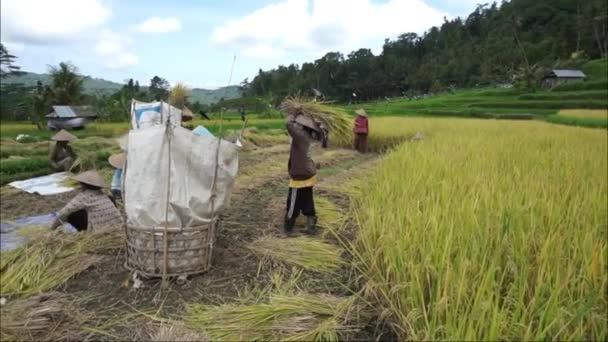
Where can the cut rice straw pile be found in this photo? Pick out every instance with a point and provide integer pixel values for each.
(285, 317)
(336, 120)
(45, 317)
(307, 253)
(50, 258)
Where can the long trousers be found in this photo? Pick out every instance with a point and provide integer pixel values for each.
(361, 142)
(300, 200)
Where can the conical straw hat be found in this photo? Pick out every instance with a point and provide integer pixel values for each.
(361, 112)
(90, 177)
(118, 160)
(63, 135)
(307, 122)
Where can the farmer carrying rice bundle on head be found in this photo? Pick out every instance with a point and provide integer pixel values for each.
(62, 156)
(90, 209)
(304, 131)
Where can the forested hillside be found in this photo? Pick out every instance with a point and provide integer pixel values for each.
(496, 43)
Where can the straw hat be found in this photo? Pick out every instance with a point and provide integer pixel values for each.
(63, 135)
(307, 122)
(118, 160)
(361, 112)
(90, 177)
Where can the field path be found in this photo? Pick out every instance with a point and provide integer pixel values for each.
(257, 210)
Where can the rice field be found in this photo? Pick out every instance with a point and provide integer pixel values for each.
(486, 230)
(462, 229)
(585, 113)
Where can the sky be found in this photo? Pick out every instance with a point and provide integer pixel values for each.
(196, 41)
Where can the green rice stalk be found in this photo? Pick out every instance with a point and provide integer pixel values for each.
(50, 258)
(336, 120)
(307, 253)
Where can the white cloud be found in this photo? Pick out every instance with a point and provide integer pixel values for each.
(50, 22)
(160, 25)
(327, 25)
(113, 49)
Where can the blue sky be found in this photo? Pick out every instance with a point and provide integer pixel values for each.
(194, 41)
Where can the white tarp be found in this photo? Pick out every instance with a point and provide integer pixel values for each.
(149, 114)
(192, 171)
(46, 185)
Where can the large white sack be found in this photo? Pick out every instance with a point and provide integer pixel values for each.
(192, 170)
(150, 114)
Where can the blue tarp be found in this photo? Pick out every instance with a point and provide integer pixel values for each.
(9, 231)
(202, 131)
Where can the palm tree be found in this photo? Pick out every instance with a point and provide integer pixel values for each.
(67, 84)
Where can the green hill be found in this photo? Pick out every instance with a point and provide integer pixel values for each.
(98, 86)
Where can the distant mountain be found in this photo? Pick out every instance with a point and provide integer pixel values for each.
(98, 86)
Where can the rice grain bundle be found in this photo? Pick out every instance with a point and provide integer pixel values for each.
(307, 253)
(336, 120)
(50, 258)
(297, 317)
(45, 317)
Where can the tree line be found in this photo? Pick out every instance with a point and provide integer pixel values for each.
(514, 42)
(32, 103)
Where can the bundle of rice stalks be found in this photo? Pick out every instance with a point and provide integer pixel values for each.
(332, 218)
(49, 316)
(50, 258)
(307, 253)
(336, 120)
(86, 160)
(301, 317)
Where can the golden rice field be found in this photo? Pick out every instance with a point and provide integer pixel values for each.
(585, 113)
(487, 230)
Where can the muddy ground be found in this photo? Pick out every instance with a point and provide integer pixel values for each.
(119, 311)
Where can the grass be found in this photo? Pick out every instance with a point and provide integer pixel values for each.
(49, 259)
(487, 230)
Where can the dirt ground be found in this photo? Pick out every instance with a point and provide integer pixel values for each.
(122, 312)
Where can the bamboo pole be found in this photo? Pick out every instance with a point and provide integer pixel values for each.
(168, 133)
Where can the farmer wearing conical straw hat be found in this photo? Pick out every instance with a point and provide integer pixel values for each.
(302, 170)
(62, 156)
(118, 162)
(90, 209)
(361, 129)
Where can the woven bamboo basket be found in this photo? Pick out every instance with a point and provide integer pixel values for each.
(189, 250)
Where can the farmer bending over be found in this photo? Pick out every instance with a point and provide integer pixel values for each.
(118, 162)
(62, 156)
(361, 130)
(91, 209)
(302, 170)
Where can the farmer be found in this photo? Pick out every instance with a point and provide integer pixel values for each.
(118, 162)
(242, 111)
(361, 130)
(62, 156)
(302, 170)
(90, 209)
